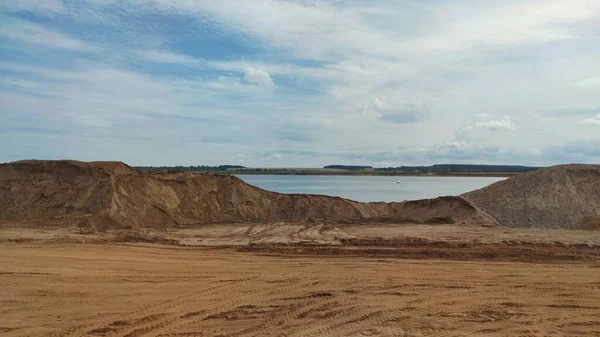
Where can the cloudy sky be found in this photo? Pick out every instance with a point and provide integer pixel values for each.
(301, 83)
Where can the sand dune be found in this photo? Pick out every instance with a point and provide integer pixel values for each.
(104, 195)
(114, 195)
(565, 196)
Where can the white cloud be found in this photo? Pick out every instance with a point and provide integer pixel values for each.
(259, 77)
(388, 60)
(43, 6)
(535, 151)
(96, 95)
(319, 30)
(506, 24)
(32, 33)
(272, 157)
(160, 56)
(589, 82)
(456, 144)
(503, 123)
(400, 111)
(226, 83)
(92, 120)
(592, 121)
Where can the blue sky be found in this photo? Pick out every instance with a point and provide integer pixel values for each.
(300, 83)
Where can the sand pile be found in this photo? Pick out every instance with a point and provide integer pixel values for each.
(566, 196)
(114, 195)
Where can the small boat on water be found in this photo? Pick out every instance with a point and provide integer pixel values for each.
(397, 181)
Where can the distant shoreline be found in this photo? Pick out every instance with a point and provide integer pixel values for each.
(438, 170)
(384, 174)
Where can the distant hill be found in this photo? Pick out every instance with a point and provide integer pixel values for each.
(198, 168)
(348, 167)
(441, 169)
(459, 168)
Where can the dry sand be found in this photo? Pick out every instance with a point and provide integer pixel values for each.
(564, 196)
(151, 290)
(383, 239)
(99, 249)
(109, 195)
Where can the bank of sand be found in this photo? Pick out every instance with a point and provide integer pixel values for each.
(110, 289)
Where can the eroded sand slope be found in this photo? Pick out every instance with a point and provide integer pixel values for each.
(114, 195)
(565, 196)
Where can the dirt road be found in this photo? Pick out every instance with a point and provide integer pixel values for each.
(152, 290)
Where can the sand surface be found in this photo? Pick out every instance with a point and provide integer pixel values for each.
(314, 233)
(563, 196)
(61, 289)
(112, 195)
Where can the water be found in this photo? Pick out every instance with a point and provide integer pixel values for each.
(369, 188)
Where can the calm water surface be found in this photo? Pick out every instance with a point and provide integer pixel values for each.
(369, 188)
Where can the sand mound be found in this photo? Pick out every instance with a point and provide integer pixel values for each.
(114, 195)
(566, 196)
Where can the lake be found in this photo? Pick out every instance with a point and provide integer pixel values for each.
(369, 188)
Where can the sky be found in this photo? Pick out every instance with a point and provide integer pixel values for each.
(301, 83)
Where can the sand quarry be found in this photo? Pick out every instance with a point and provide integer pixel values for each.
(100, 249)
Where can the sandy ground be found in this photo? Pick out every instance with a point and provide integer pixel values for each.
(157, 290)
(240, 234)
